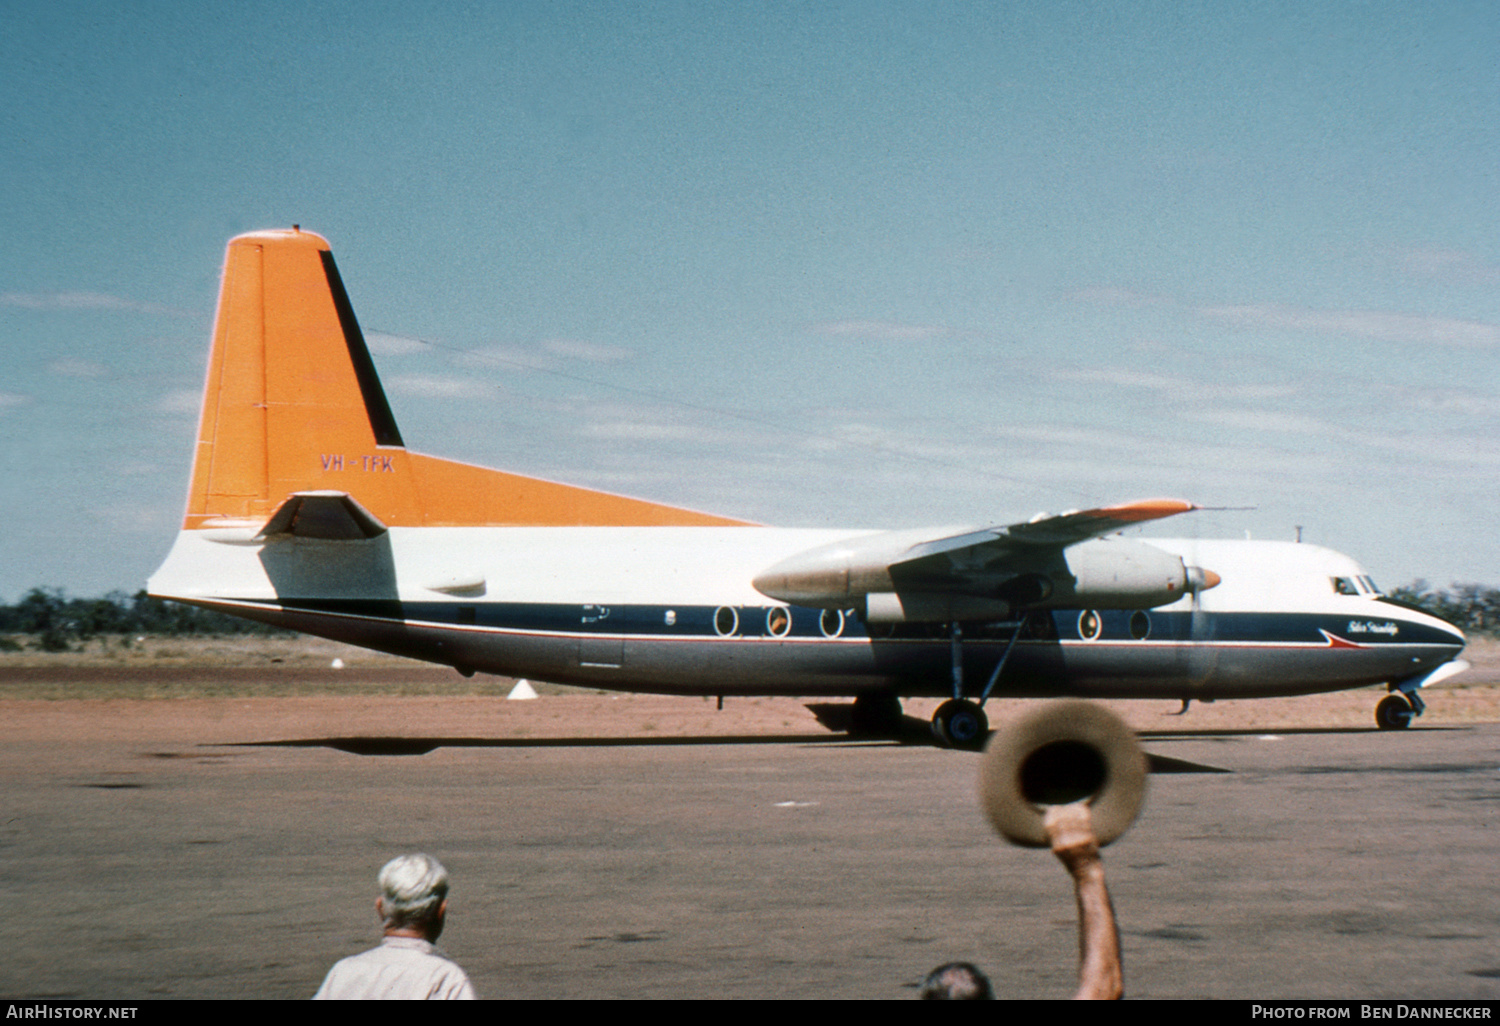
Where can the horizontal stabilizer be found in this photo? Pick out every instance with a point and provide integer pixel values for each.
(329, 516)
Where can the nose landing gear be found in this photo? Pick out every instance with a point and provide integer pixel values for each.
(1394, 712)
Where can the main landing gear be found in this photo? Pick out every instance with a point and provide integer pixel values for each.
(959, 722)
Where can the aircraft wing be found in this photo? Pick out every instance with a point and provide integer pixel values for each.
(1046, 560)
(994, 547)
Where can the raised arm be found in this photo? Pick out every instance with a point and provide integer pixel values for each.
(1071, 829)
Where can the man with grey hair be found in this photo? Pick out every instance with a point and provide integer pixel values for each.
(412, 905)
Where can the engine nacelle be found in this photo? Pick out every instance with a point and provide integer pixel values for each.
(875, 575)
(840, 575)
(1115, 573)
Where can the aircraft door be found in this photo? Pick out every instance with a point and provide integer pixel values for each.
(605, 651)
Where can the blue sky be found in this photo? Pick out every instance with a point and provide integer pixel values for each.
(875, 264)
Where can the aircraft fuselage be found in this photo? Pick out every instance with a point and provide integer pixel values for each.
(673, 610)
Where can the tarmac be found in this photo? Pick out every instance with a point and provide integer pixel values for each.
(227, 849)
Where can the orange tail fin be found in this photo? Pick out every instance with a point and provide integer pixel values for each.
(293, 404)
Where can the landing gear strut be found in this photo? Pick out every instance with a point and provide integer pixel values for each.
(958, 722)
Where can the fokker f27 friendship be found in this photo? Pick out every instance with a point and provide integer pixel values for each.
(307, 511)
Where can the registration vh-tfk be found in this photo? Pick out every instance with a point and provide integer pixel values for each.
(307, 511)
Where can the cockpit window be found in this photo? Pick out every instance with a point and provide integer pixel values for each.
(1361, 585)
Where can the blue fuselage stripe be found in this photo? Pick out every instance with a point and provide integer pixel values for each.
(700, 622)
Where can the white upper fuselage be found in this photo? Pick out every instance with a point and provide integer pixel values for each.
(683, 565)
(610, 565)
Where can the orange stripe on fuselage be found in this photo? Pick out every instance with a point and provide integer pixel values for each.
(283, 412)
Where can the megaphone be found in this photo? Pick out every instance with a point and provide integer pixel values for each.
(1058, 754)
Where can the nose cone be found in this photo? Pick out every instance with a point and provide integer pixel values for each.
(1423, 626)
(1442, 632)
(1444, 642)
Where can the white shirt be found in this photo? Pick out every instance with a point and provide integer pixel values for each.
(402, 968)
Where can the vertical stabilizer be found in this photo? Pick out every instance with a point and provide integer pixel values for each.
(293, 404)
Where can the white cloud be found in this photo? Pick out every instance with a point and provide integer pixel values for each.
(1451, 264)
(1110, 295)
(384, 344)
(83, 301)
(181, 402)
(513, 358)
(1126, 379)
(1263, 420)
(1185, 389)
(1375, 324)
(880, 331)
(75, 368)
(629, 422)
(138, 517)
(628, 431)
(592, 352)
(9, 399)
(432, 386)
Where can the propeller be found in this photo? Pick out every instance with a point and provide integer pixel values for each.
(1201, 656)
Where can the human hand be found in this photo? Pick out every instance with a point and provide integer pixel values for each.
(1071, 830)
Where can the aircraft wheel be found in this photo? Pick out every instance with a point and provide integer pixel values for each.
(959, 723)
(875, 716)
(1394, 713)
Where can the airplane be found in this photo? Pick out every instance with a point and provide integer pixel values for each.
(307, 511)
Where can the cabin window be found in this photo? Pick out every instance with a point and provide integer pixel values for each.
(1040, 627)
(726, 621)
(778, 621)
(1344, 586)
(669, 617)
(1140, 625)
(831, 623)
(1089, 625)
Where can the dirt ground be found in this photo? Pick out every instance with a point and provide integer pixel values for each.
(654, 847)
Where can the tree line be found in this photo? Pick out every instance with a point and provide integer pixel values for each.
(1472, 608)
(57, 622)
